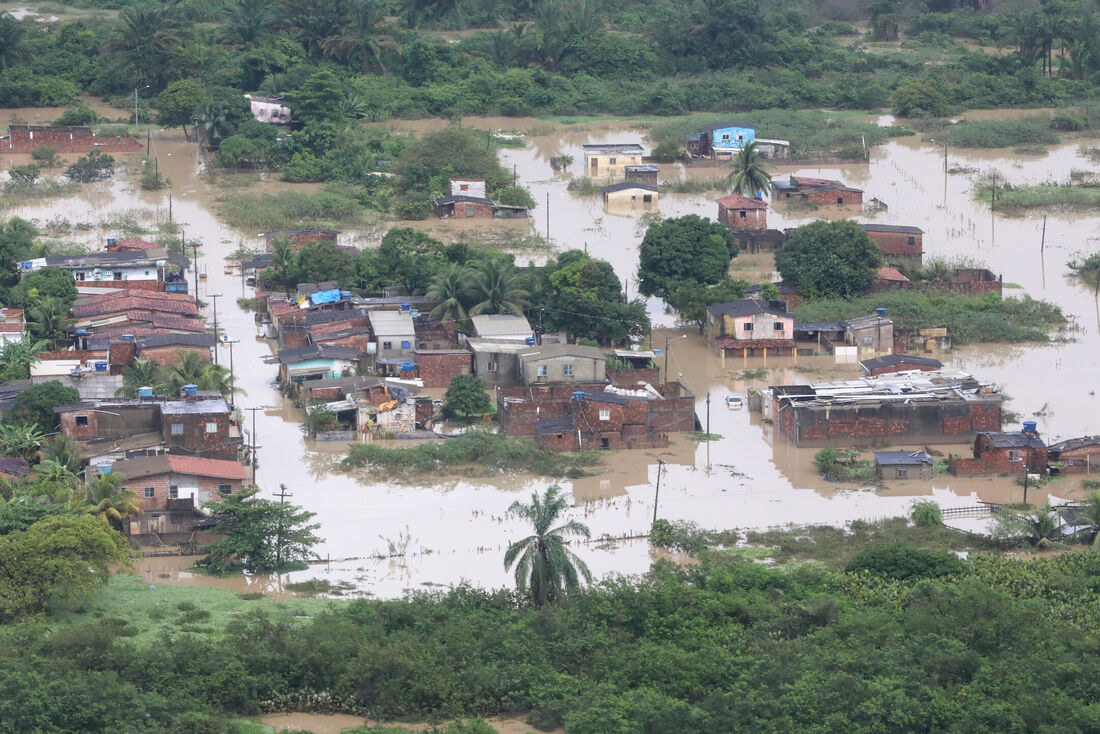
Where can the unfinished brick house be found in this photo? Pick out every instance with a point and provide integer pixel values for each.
(65, 139)
(740, 212)
(572, 418)
(819, 191)
(1004, 453)
(902, 246)
(927, 408)
(898, 363)
(436, 367)
(1075, 456)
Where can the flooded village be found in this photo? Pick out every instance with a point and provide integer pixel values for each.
(955, 423)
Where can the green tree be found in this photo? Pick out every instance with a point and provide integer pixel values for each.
(147, 41)
(188, 370)
(829, 259)
(49, 318)
(466, 397)
(63, 451)
(176, 105)
(16, 357)
(284, 262)
(142, 373)
(454, 152)
(56, 558)
(108, 500)
(318, 99)
(323, 261)
(404, 258)
(96, 166)
(49, 281)
(544, 565)
(1041, 526)
(1088, 270)
(363, 37)
(24, 177)
(248, 21)
(34, 406)
(691, 299)
(496, 287)
(919, 99)
(261, 536)
(20, 439)
(1089, 517)
(450, 291)
(749, 174)
(13, 41)
(16, 239)
(586, 300)
(688, 248)
(903, 562)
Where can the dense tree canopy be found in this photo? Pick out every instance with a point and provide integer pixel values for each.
(34, 406)
(684, 249)
(829, 259)
(261, 536)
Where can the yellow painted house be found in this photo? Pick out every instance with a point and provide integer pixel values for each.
(609, 160)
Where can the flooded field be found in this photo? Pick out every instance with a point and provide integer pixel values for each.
(387, 536)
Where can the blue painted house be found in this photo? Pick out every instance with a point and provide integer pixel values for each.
(721, 140)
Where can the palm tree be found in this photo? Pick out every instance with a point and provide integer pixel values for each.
(248, 21)
(187, 370)
(212, 123)
(937, 270)
(16, 357)
(13, 41)
(1089, 517)
(496, 286)
(218, 378)
(20, 439)
(361, 36)
(1042, 526)
(50, 318)
(142, 373)
(545, 565)
(62, 451)
(148, 37)
(107, 498)
(283, 260)
(450, 289)
(749, 174)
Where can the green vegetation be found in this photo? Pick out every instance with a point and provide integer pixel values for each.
(969, 319)
(830, 259)
(545, 569)
(686, 249)
(190, 369)
(481, 452)
(261, 536)
(466, 397)
(838, 467)
(264, 212)
(687, 536)
(997, 133)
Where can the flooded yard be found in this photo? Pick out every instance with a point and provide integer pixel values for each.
(387, 536)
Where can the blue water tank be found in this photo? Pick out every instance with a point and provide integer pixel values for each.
(190, 389)
(530, 341)
(145, 392)
(578, 395)
(406, 306)
(111, 241)
(1029, 426)
(880, 311)
(414, 313)
(101, 365)
(408, 366)
(127, 337)
(104, 468)
(81, 332)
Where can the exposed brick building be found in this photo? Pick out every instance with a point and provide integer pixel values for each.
(740, 212)
(436, 367)
(64, 139)
(819, 191)
(170, 488)
(1075, 456)
(902, 246)
(1003, 453)
(168, 349)
(463, 206)
(926, 408)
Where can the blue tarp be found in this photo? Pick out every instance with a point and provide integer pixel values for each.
(319, 297)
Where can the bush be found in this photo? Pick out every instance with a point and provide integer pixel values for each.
(80, 115)
(926, 514)
(96, 166)
(45, 154)
(902, 562)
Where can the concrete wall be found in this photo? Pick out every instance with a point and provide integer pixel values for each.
(609, 165)
(506, 373)
(585, 369)
(913, 471)
(92, 386)
(196, 441)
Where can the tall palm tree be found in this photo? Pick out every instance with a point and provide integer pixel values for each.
(13, 41)
(546, 566)
(50, 318)
(212, 123)
(107, 499)
(248, 21)
(362, 36)
(16, 357)
(1041, 526)
(63, 451)
(218, 378)
(142, 373)
(148, 37)
(497, 287)
(450, 289)
(749, 174)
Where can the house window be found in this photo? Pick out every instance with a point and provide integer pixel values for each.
(1013, 455)
(225, 489)
(903, 473)
(911, 240)
(469, 211)
(612, 161)
(542, 370)
(605, 414)
(211, 426)
(839, 200)
(567, 370)
(725, 136)
(387, 345)
(464, 187)
(778, 326)
(647, 198)
(176, 429)
(743, 214)
(747, 326)
(150, 493)
(80, 276)
(406, 345)
(492, 367)
(82, 420)
(118, 275)
(173, 492)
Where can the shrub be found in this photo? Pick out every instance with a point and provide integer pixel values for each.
(901, 562)
(81, 114)
(926, 514)
(96, 166)
(45, 154)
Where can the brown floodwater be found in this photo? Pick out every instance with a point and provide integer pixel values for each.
(387, 535)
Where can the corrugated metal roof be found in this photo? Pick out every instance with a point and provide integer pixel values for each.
(902, 458)
(501, 325)
(391, 323)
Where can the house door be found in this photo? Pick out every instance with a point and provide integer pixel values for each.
(595, 164)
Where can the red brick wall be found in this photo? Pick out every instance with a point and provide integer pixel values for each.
(169, 355)
(332, 327)
(829, 198)
(897, 243)
(460, 208)
(436, 370)
(1079, 460)
(754, 218)
(67, 140)
(119, 356)
(158, 482)
(562, 443)
(997, 461)
(195, 441)
(868, 424)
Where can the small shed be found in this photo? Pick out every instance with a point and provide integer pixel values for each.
(644, 174)
(903, 464)
(630, 194)
(740, 212)
(463, 206)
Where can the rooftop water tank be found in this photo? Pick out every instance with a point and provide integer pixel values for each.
(880, 311)
(408, 366)
(111, 241)
(414, 313)
(1029, 426)
(81, 332)
(190, 389)
(127, 337)
(145, 392)
(104, 468)
(101, 365)
(530, 340)
(406, 306)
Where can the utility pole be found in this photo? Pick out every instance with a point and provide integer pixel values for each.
(708, 415)
(547, 215)
(252, 453)
(215, 296)
(657, 494)
(993, 213)
(282, 494)
(137, 120)
(1043, 241)
(666, 357)
(232, 373)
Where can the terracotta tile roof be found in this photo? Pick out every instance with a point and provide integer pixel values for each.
(219, 468)
(137, 244)
(892, 275)
(736, 201)
(104, 305)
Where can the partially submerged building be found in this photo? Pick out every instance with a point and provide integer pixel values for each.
(1011, 452)
(1075, 455)
(902, 245)
(740, 212)
(750, 326)
(915, 464)
(947, 406)
(629, 195)
(609, 160)
(819, 191)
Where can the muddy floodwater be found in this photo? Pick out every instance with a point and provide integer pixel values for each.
(386, 535)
